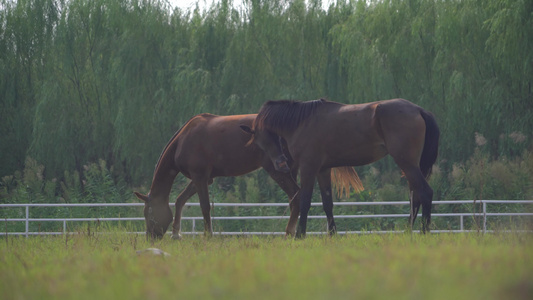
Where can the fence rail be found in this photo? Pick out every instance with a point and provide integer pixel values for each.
(484, 214)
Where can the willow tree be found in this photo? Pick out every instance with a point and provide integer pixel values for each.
(26, 31)
(84, 80)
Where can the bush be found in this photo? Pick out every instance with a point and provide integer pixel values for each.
(480, 178)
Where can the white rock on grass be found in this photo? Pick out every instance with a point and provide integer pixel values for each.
(153, 251)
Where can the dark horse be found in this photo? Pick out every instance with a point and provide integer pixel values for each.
(209, 146)
(321, 135)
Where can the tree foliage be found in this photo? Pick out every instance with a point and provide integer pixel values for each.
(84, 80)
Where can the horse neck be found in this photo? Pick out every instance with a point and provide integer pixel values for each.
(161, 186)
(164, 176)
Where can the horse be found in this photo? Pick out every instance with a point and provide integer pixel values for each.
(322, 134)
(209, 146)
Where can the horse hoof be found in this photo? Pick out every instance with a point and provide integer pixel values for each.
(299, 236)
(176, 236)
(289, 235)
(332, 231)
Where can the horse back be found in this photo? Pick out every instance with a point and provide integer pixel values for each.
(217, 145)
(339, 135)
(359, 134)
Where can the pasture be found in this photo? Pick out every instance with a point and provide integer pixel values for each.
(392, 266)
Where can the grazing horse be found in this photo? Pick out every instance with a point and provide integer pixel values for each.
(321, 134)
(209, 146)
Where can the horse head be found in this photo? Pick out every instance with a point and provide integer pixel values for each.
(271, 144)
(274, 120)
(157, 215)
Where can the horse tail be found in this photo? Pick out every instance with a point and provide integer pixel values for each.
(345, 177)
(431, 144)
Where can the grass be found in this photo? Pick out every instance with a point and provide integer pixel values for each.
(106, 266)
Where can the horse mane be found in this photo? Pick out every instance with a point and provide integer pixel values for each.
(170, 142)
(285, 114)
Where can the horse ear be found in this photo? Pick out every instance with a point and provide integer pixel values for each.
(247, 129)
(141, 196)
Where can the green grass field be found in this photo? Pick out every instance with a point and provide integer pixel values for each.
(106, 266)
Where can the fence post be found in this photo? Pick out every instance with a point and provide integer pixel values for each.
(484, 217)
(27, 220)
(461, 222)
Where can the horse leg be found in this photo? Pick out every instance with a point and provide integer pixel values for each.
(413, 210)
(203, 195)
(289, 186)
(307, 181)
(324, 182)
(427, 199)
(187, 193)
(420, 194)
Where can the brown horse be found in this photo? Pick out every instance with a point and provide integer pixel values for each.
(209, 146)
(321, 134)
